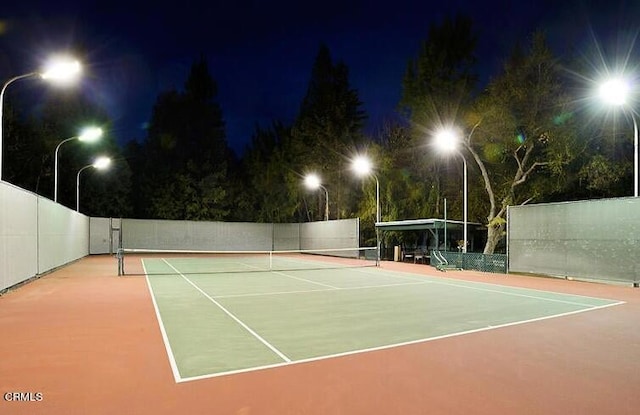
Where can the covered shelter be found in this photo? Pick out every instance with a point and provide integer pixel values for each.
(429, 235)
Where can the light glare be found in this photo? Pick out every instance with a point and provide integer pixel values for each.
(446, 140)
(312, 181)
(61, 70)
(614, 92)
(90, 134)
(362, 165)
(102, 163)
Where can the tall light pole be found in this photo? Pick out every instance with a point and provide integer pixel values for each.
(100, 163)
(89, 135)
(313, 182)
(362, 167)
(447, 140)
(60, 70)
(615, 92)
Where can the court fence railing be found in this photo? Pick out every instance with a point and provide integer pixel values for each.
(476, 261)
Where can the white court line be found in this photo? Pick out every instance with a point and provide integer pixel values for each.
(393, 274)
(365, 287)
(390, 346)
(230, 314)
(296, 278)
(165, 338)
(431, 282)
(535, 297)
(306, 280)
(436, 279)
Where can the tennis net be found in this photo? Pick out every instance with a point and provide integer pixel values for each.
(152, 261)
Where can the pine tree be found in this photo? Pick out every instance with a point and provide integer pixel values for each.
(326, 132)
(184, 160)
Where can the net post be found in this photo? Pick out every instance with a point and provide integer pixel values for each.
(120, 259)
(270, 260)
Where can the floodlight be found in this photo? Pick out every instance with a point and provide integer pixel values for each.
(362, 166)
(58, 70)
(615, 92)
(313, 182)
(88, 135)
(446, 139)
(100, 163)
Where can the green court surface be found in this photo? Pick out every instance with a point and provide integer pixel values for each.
(222, 323)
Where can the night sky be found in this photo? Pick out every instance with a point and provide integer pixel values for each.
(261, 53)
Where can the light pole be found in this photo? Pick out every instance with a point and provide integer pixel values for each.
(60, 70)
(447, 140)
(363, 167)
(89, 135)
(313, 182)
(615, 92)
(100, 163)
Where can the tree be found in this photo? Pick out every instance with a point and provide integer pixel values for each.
(438, 89)
(272, 185)
(24, 151)
(327, 130)
(438, 84)
(515, 135)
(183, 163)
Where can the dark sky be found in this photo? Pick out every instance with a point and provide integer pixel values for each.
(261, 52)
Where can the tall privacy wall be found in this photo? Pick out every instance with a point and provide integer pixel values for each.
(37, 235)
(238, 236)
(596, 239)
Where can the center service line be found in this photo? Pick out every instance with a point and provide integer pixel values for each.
(296, 278)
(236, 319)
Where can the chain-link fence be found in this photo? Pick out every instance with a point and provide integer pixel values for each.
(477, 261)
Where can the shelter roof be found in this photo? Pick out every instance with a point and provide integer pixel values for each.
(422, 224)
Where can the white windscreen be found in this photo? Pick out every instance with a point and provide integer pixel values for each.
(597, 239)
(63, 235)
(18, 235)
(238, 236)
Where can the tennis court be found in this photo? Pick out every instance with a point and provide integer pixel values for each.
(399, 338)
(222, 315)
